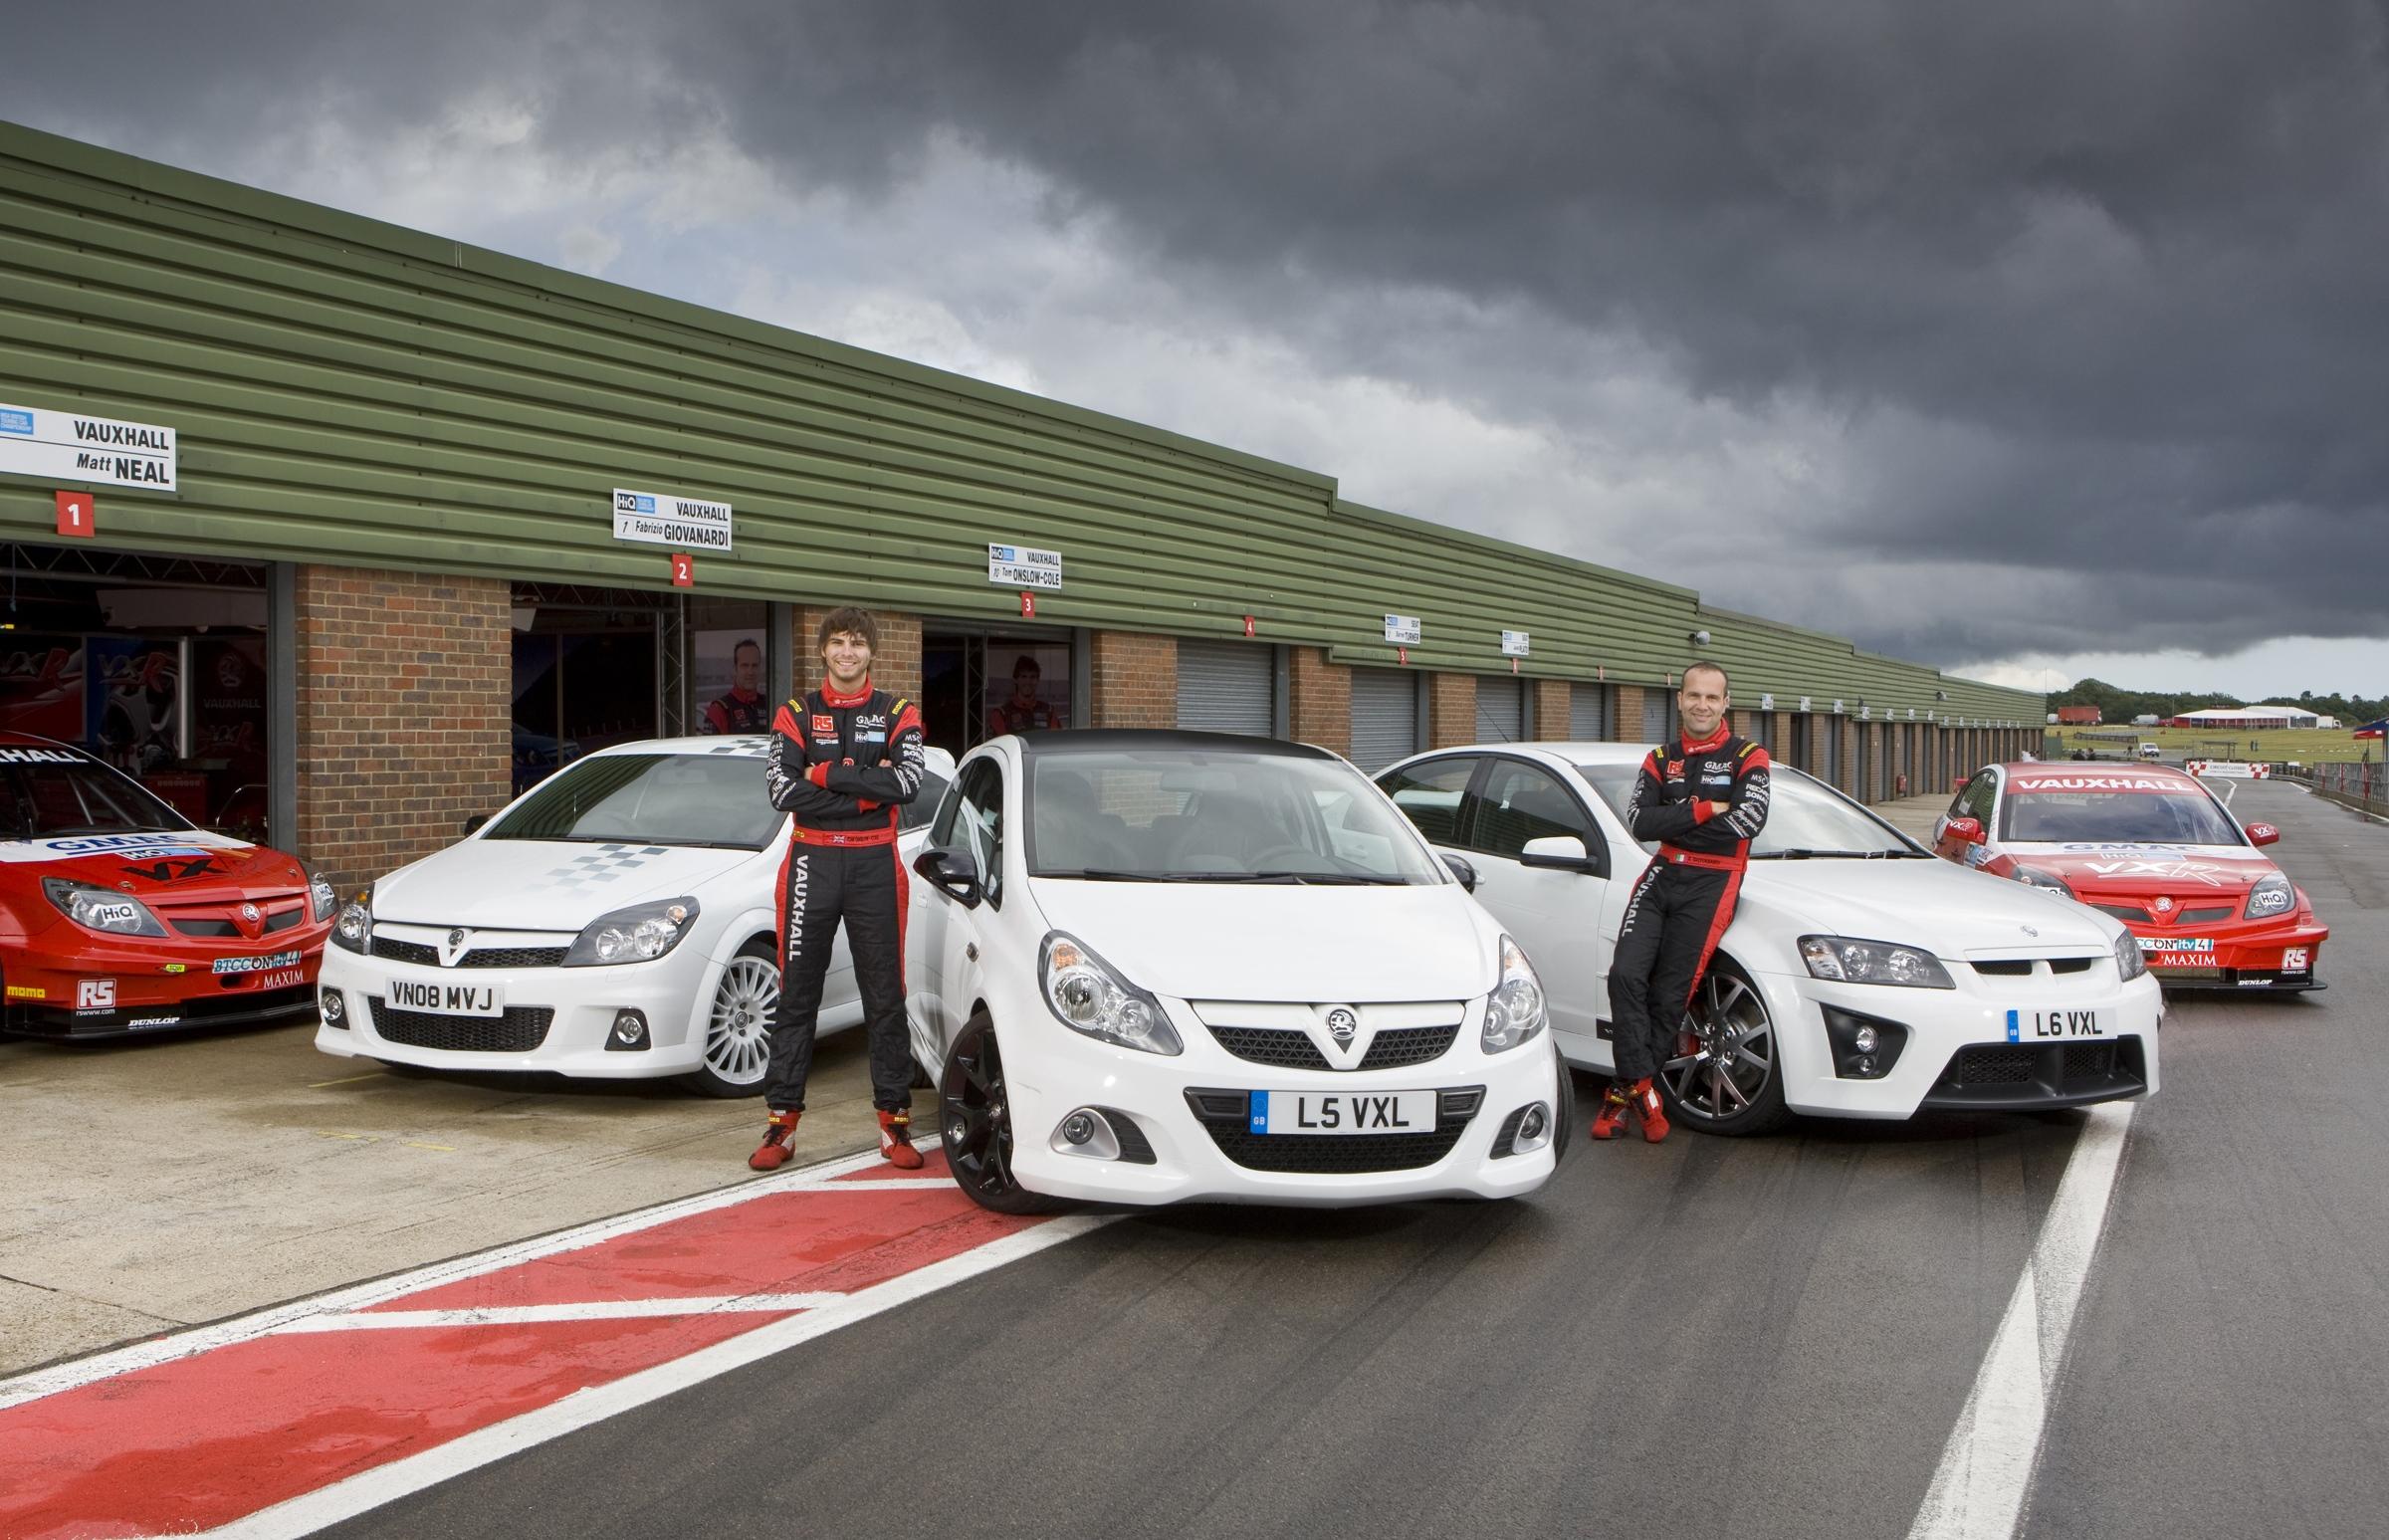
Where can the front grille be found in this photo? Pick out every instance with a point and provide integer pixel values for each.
(2070, 964)
(1505, 1142)
(1135, 1148)
(491, 956)
(283, 921)
(1333, 1153)
(2010, 968)
(1992, 1064)
(2122, 911)
(519, 1030)
(1282, 1048)
(2208, 916)
(2090, 1059)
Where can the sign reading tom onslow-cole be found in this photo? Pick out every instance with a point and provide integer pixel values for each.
(1023, 566)
(658, 519)
(68, 446)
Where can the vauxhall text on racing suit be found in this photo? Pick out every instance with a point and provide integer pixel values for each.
(1681, 905)
(841, 763)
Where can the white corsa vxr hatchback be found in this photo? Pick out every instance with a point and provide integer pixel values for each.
(1150, 967)
(1861, 977)
(614, 922)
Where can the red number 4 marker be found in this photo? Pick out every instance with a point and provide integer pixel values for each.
(76, 514)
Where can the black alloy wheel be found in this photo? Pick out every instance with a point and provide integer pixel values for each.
(1732, 1080)
(975, 1123)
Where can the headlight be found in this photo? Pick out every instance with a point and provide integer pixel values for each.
(1086, 996)
(101, 909)
(1515, 1012)
(2033, 876)
(2128, 959)
(2270, 896)
(353, 931)
(639, 934)
(322, 901)
(1845, 961)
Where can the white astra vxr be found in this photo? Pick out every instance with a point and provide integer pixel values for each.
(1154, 967)
(616, 921)
(1861, 977)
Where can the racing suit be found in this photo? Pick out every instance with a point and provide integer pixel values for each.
(1686, 898)
(842, 765)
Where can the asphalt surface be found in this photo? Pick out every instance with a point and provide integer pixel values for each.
(1704, 1337)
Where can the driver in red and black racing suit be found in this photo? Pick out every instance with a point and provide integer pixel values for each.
(1704, 798)
(843, 759)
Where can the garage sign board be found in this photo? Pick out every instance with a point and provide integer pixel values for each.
(67, 446)
(1403, 629)
(658, 519)
(1023, 566)
(1513, 644)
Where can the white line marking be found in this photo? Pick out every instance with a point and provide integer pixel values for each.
(370, 1490)
(1986, 1471)
(38, 1383)
(528, 1315)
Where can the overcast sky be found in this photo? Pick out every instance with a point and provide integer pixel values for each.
(2026, 340)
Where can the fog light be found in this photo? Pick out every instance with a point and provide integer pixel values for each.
(335, 1009)
(1865, 1047)
(1865, 1066)
(1086, 1133)
(1864, 1039)
(630, 1032)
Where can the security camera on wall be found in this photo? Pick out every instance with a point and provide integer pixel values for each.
(1700, 638)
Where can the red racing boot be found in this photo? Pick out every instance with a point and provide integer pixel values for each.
(773, 1152)
(1651, 1110)
(1611, 1121)
(895, 1139)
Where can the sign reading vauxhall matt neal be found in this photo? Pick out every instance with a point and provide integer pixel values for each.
(69, 447)
(658, 519)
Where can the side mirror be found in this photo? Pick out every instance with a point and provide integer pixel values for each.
(1461, 868)
(952, 872)
(474, 823)
(1559, 852)
(1966, 831)
(2263, 834)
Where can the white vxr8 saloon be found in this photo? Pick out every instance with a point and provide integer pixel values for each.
(1861, 977)
(616, 921)
(1154, 967)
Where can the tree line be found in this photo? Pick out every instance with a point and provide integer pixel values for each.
(2119, 704)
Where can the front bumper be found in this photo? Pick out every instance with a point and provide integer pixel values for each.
(2274, 956)
(110, 987)
(556, 1019)
(1188, 1140)
(1968, 1047)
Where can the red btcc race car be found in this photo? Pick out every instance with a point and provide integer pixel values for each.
(117, 915)
(2156, 849)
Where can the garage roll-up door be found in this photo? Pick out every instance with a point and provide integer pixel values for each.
(1500, 711)
(1592, 713)
(1384, 716)
(1655, 714)
(1224, 687)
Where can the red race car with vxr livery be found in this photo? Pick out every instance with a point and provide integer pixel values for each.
(117, 915)
(2155, 849)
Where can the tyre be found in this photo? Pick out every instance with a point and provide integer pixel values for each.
(738, 1025)
(1733, 1084)
(975, 1123)
(1565, 1108)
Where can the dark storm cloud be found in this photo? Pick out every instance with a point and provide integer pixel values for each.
(2095, 289)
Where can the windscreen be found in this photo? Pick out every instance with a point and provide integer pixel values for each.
(2171, 816)
(56, 792)
(716, 801)
(1805, 816)
(1179, 815)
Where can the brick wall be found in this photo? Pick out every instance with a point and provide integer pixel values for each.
(405, 713)
(1450, 710)
(1849, 729)
(1629, 714)
(1135, 683)
(1553, 699)
(895, 664)
(1319, 708)
(1781, 753)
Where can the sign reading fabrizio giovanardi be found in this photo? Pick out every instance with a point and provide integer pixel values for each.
(66, 446)
(655, 519)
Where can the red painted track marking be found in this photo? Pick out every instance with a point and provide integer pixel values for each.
(205, 1439)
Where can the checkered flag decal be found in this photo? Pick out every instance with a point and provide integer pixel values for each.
(754, 747)
(599, 868)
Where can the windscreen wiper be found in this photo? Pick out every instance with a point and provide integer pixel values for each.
(1330, 879)
(1107, 874)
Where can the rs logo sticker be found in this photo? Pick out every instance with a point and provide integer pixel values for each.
(95, 994)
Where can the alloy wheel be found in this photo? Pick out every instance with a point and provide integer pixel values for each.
(738, 1038)
(1728, 1070)
(976, 1117)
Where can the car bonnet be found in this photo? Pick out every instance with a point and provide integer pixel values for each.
(193, 864)
(1210, 941)
(539, 885)
(1951, 910)
(2182, 872)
